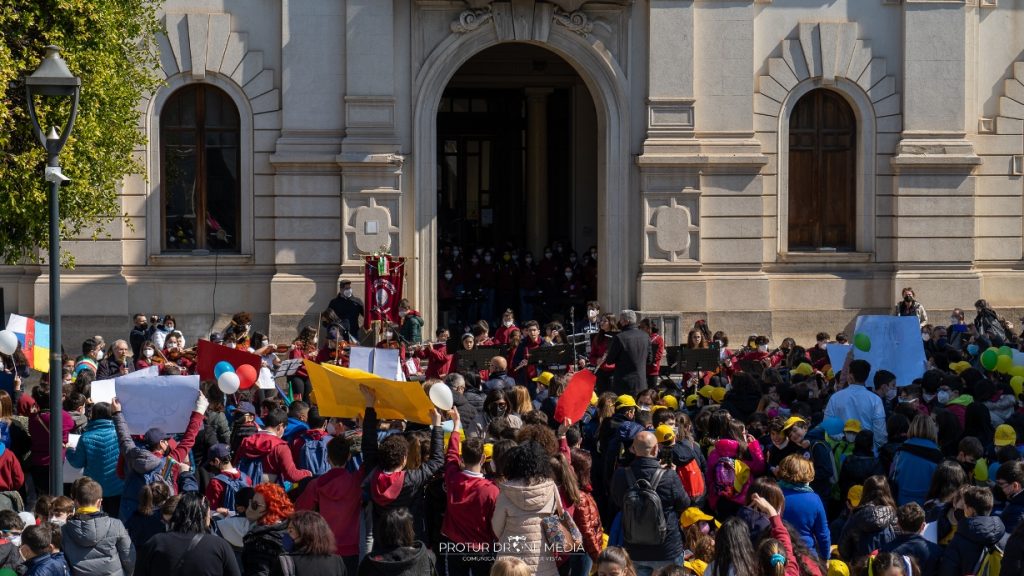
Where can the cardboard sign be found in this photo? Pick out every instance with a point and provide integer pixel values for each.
(104, 390)
(337, 394)
(896, 346)
(157, 402)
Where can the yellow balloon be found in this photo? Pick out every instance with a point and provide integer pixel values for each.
(1016, 371)
(1003, 364)
(1017, 384)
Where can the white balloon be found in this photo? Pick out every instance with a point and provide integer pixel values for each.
(441, 396)
(8, 342)
(228, 383)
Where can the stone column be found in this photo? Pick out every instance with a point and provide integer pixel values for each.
(935, 187)
(537, 168)
(370, 77)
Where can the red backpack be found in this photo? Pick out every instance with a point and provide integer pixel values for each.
(692, 478)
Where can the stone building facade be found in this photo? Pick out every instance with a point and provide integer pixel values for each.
(776, 166)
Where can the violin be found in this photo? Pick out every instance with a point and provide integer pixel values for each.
(175, 354)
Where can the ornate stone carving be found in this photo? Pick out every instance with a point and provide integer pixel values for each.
(472, 19)
(576, 21)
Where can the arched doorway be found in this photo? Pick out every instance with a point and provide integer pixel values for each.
(616, 210)
(822, 173)
(516, 173)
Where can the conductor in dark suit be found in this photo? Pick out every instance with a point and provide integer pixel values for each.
(628, 352)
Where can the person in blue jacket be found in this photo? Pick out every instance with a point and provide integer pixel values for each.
(39, 561)
(97, 454)
(804, 509)
(916, 461)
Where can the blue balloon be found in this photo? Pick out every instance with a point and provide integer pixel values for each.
(222, 367)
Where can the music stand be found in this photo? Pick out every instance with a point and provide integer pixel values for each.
(495, 350)
(550, 356)
(473, 360)
(288, 367)
(673, 358)
(698, 360)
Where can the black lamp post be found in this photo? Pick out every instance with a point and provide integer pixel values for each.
(53, 79)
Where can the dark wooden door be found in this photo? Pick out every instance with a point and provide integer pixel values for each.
(822, 173)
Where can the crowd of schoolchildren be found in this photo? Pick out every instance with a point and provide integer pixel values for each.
(787, 466)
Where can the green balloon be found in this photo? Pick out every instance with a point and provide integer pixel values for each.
(862, 342)
(989, 359)
(1006, 351)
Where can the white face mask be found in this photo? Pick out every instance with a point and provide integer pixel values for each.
(508, 323)
(822, 345)
(170, 327)
(942, 396)
(347, 293)
(568, 275)
(447, 276)
(388, 335)
(890, 394)
(402, 313)
(265, 343)
(59, 521)
(148, 353)
(762, 348)
(925, 336)
(591, 314)
(99, 355)
(230, 344)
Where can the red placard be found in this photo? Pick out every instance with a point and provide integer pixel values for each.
(209, 354)
(572, 404)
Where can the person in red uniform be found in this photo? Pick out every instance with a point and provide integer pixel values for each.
(657, 349)
(331, 496)
(471, 498)
(439, 361)
(508, 324)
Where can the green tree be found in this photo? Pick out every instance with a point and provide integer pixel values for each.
(111, 45)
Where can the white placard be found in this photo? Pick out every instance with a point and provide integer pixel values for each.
(383, 362)
(164, 402)
(102, 391)
(71, 473)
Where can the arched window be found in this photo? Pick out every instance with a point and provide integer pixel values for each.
(199, 163)
(822, 173)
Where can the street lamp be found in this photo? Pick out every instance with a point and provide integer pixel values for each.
(53, 79)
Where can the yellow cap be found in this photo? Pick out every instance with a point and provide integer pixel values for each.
(696, 565)
(657, 407)
(692, 400)
(664, 433)
(804, 369)
(1005, 435)
(544, 378)
(959, 367)
(838, 568)
(625, 401)
(718, 394)
(852, 425)
(854, 494)
(692, 515)
(488, 451)
(593, 398)
(793, 421)
(670, 401)
(706, 391)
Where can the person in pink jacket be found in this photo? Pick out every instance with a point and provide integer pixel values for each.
(739, 446)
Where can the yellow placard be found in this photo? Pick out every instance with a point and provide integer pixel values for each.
(337, 394)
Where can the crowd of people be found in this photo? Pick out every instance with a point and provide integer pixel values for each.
(773, 462)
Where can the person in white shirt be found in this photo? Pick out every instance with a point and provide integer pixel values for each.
(858, 403)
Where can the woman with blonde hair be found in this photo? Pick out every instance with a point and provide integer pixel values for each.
(804, 509)
(916, 461)
(521, 403)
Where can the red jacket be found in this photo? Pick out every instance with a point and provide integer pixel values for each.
(439, 361)
(588, 520)
(335, 495)
(11, 476)
(502, 334)
(471, 499)
(793, 563)
(299, 441)
(275, 455)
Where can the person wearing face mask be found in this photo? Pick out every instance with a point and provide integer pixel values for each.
(976, 529)
(139, 333)
(858, 403)
(412, 323)
(159, 332)
(909, 306)
(92, 353)
(885, 388)
(593, 324)
(39, 558)
(508, 325)
(348, 308)
(819, 353)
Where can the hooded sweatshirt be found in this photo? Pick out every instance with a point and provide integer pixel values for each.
(97, 544)
(413, 560)
(275, 456)
(401, 488)
(471, 500)
(11, 475)
(972, 536)
(332, 495)
(870, 527)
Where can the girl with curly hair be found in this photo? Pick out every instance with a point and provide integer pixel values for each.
(269, 509)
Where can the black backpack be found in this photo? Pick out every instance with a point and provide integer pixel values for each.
(643, 521)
